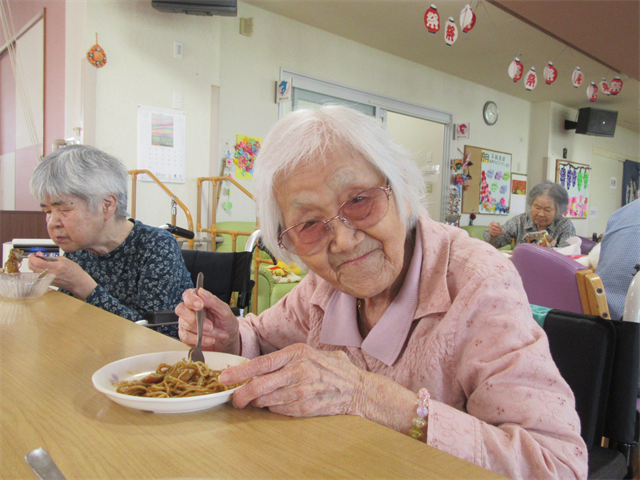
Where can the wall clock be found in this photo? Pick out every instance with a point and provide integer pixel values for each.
(490, 113)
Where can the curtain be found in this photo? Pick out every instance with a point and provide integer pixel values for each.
(630, 181)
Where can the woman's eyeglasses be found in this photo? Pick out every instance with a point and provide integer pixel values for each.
(363, 210)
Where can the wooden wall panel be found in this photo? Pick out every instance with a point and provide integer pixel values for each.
(18, 224)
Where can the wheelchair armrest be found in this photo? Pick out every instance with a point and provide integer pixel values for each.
(160, 316)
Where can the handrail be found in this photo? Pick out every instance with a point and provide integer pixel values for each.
(213, 230)
(134, 176)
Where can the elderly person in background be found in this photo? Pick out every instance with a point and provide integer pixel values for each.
(547, 202)
(115, 263)
(396, 309)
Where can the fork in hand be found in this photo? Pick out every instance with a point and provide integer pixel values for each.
(195, 354)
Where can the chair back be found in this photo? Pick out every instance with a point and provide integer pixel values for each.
(549, 278)
(225, 273)
(586, 245)
(586, 364)
(600, 360)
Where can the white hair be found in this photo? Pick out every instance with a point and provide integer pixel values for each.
(84, 172)
(308, 135)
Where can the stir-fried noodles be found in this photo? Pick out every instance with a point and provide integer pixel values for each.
(184, 379)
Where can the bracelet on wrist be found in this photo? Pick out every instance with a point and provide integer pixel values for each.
(422, 412)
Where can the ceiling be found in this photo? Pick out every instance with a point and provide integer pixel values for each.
(602, 37)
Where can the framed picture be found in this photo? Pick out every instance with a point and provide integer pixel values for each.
(575, 178)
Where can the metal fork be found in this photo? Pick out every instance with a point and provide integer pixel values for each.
(195, 354)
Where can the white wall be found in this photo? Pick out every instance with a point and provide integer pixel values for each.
(250, 66)
(141, 70)
(583, 149)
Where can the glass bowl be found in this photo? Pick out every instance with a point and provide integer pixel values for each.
(24, 285)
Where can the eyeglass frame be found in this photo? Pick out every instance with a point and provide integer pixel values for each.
(386, 189)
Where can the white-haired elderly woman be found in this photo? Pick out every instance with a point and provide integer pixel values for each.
(402, 320)
(547, 202)
(110, 261)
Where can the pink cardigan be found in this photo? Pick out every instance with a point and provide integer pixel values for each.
(498, 400)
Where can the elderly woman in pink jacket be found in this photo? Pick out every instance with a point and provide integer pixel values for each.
(401, 320)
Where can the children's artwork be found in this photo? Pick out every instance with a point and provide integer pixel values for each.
(245, 154)
(575, 178)
(518, 185)
(495, 183)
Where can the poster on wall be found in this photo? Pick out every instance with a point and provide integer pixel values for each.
(495, 183)
(161, 143)
(575, 178)
(518, 193)
(246, 150)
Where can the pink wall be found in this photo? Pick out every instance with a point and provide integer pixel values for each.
(54, 49)
(7, 106)
(22, 13)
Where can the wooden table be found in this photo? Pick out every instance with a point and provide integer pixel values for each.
(50, 348)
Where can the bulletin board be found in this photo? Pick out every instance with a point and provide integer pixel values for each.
(575, 178)
(489, 188)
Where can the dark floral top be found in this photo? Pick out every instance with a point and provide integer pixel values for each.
(145, 273)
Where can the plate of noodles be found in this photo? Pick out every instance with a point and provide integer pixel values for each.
(166, 382)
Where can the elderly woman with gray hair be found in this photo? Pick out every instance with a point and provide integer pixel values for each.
(401, 320)
(547, 202)
(110, 261)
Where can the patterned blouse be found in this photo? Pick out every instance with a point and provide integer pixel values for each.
(519, 226)
(145, 273)
(460, 326)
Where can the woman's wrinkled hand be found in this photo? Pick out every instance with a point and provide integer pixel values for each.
(69, 275)
(220, 328)
(495, 230)
(299, 381)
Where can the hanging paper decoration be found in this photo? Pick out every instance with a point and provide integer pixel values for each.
(592, 93)
(604, 87)
(563, 176)
(96, 55)
(576, 78)
(550, 74)
(432, 19)
(467, 19)
(615, 86)
(516, 69)
(531, 80)
(450, 32)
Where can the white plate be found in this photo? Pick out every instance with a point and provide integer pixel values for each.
(134, 368)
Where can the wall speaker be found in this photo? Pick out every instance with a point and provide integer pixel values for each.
(594, 121)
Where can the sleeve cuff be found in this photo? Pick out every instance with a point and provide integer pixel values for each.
(454, 432)
(248, 340)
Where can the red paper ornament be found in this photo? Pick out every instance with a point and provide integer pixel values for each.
(450, 32)
(615, 86)
(96, 55)
(592, 92)
(467, 19)
(576, 78)
(516, 69)
(550, 74)
(531, 80)
(432, 19)
(604, 87)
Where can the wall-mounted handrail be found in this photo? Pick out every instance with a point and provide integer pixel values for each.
(134, 176)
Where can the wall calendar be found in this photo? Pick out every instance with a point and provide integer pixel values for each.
(161, 143)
